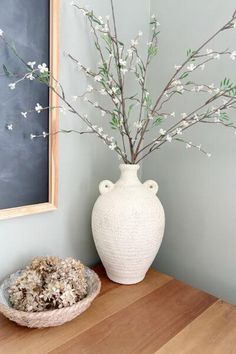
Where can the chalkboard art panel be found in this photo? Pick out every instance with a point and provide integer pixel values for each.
(28, 167)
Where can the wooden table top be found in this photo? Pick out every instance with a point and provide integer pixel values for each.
(159, 315)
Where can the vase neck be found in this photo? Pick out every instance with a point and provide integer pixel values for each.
(129, 174)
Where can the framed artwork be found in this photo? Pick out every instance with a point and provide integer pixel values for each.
(28, 167)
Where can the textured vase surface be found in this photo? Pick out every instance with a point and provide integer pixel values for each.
(128, 224)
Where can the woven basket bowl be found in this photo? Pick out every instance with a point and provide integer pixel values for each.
(48, 318)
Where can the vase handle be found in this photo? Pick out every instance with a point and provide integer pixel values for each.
(105, 186)
(152, 186)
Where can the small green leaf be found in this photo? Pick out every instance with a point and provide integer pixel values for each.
(13, 47)
(6, 71)
(183, 75)
(130, 109)
(158, 120)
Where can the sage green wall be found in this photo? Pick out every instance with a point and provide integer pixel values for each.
(84, 162)
(198, 194)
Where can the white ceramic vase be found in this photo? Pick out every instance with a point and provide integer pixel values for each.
(128, 224)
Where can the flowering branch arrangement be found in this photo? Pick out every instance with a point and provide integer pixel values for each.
(133, 116)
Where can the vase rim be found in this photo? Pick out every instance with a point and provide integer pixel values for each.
(124, 166)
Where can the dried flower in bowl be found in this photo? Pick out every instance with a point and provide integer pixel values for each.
(48, 283)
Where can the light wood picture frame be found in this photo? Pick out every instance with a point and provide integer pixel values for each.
(53, 127)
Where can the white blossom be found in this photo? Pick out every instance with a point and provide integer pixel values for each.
(233, 55)
(74, 98)
(188, 145)
(217, 56)
(100, 130)
(134, 42)
(112, 146)
(30, 76)
(89, 88)
(85, 99)
(98, 78)
(32, 136)
(116, 101)
(177, 67)
(95, 104)
(38, 108)
(140, 33)
(103, 113)
(191, 67)
(84, 12)
(172, 114)
(199, 88)
(1, 33)
(138, 125)
(12, 86)
(180, 88)
(209, 51)
(103, 92)
(10, 126)
(43, 68)
(162, 131)
(199, 147)
(169, 138)
(179, 131)
(208, 154)
(122, 62)
(85, 116)
(176, 83)
(24, 114)
(185, 123)
(31, 64)
(183, 115)
(44, 134)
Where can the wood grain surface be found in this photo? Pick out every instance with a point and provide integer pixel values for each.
(159, 315)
